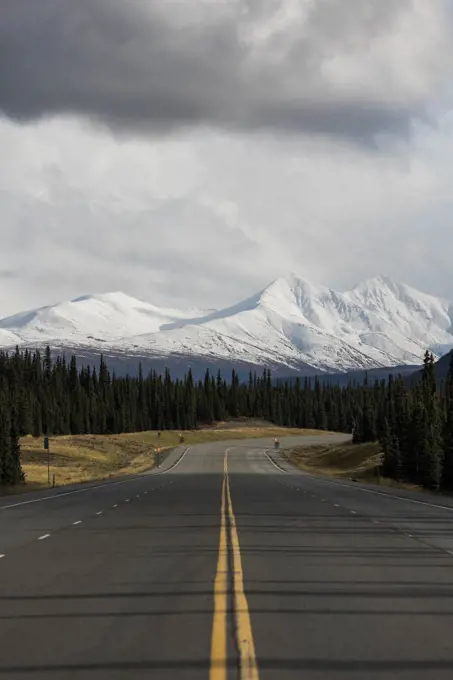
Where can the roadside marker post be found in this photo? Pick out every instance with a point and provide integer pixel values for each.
(47, 448)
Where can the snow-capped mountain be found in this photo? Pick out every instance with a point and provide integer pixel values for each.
(291, 323)
(106, 318)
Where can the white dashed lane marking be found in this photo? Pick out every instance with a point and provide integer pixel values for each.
(1, 556)
(100, 512)
(79, 521)
(41, 538)
(115, 506)
(94, 488)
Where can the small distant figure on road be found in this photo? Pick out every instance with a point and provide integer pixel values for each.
(181, 438)
(276, 443)
(158, 435)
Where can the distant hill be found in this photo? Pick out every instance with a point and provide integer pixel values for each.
(443, 365)
(441, 368)
(343, 379)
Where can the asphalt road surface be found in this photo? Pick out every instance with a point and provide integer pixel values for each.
(227, 563)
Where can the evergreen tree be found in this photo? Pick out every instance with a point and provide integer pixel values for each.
(5, 443)
(447, 480)
(368, 433)
(14, 473)
(392, 463)
(431, 442)
(50, 396)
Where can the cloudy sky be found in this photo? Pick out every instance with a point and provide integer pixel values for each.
(188, 152)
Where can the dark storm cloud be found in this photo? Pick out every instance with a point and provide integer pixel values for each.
(138, 66)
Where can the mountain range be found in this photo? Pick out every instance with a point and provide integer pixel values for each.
(292, 326)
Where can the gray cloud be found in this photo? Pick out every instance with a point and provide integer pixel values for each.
(329, 67)
(8, 274)
(207, 220)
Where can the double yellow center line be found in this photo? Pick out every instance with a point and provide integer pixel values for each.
(243, 627)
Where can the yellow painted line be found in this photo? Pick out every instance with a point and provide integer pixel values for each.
(218, 665)
(246, 646)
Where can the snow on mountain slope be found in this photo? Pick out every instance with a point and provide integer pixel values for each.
(93, 317)
(291, 322)
(8, 339)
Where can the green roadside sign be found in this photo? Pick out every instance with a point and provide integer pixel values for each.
(46, 443)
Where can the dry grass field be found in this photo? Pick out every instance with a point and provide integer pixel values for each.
(359, 461)
(83, 458)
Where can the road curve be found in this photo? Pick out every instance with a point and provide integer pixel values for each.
(226, 563)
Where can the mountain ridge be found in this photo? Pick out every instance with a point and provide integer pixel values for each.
(290, 323)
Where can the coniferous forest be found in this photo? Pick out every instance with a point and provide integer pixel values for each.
(41, 396)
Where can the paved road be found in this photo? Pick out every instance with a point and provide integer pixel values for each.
(227, 564)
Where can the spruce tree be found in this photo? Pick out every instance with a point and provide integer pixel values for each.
(431, 444)
(447, 479)
(5, 442)
(15, 473)
(10, 466)
(414, 424)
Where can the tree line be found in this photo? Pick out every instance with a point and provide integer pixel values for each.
(42, 396)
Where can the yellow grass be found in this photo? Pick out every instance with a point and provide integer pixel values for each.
(338, 460)
(359, 461)
(86, 458)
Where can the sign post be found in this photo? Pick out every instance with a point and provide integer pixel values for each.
(47, 448)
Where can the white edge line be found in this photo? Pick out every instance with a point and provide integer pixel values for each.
(41, 538)
(273, 463)
(385, 495)
(176, 464)
(91, 488)
(360, 488)
(69, 493)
